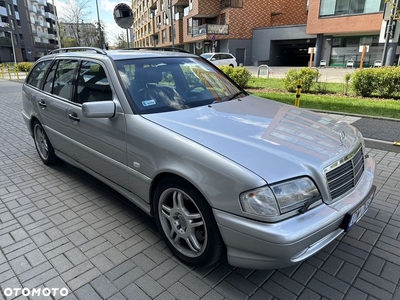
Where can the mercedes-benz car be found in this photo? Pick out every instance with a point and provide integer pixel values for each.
(221, 171)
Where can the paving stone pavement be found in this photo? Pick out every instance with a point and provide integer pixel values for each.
(61, 228)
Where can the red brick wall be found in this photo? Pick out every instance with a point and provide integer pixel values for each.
(366, 23)
(256, 13)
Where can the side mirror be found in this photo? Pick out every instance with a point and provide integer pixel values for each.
(98, 109)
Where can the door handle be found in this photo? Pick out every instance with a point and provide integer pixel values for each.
(74, 117)
(42, 103)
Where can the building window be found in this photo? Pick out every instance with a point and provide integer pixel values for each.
(10, 11)
(350, 7)
(231, 3)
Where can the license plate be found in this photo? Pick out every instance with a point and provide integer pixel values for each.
(354, 216)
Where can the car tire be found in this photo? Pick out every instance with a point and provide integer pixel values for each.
(232, 66)
(43, 145)
(186, 223)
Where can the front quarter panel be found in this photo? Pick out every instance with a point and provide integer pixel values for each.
(154, 150)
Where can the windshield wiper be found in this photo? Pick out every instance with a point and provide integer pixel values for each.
(231, 97)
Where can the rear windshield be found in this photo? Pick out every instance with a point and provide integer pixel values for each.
(165, 84)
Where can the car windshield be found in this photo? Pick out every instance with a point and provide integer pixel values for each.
(206, 56)
(174, 83)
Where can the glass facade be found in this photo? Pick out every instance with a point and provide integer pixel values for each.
(347, 48)
(350, 7)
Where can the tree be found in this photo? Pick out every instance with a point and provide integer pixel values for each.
(103, 42)
(75, 13)
(121, 41)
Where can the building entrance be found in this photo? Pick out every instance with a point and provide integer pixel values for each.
(291, 52)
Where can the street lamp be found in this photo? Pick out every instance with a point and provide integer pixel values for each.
(98, 20)
(13, 47)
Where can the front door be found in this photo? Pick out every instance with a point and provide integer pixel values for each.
(100, 143)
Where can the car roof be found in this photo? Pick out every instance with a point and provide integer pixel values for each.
(121, 54)
(217, 53)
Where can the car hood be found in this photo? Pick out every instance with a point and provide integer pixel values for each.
(273, 140)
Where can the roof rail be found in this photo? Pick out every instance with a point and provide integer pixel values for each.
(172, 49)
(71, 49)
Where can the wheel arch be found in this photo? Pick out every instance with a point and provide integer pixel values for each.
(169, 175)
(31, 122)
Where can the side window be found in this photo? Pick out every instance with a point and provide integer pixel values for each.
(93, 84)
(48, 84)
(64, 78)
(217, 57)
(36, 76)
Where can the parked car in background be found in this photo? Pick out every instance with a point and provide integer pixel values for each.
(221, 171)
(220, 59)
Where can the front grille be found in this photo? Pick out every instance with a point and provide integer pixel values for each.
(345, 174)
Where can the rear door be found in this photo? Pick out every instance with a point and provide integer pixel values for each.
(54, 103)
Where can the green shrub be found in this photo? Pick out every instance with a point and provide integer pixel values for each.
(239, 74)
(24, 66)
(307, 75)
(387, 81)
(364, 82)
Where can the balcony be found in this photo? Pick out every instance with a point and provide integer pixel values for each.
(210, 29)
(186, 11)
(49, 15)
(32, 9)
(178, 16)
(37, 39)
(42, 2)
(41, 12)
(3, 24)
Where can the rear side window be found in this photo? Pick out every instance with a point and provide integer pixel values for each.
(36, 76)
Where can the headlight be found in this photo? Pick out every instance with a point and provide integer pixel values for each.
(260, 202)
(280, 198)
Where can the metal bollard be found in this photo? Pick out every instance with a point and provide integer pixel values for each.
(298, 92)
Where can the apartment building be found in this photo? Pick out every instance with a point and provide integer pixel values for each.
(27, 29)
(213, 25)
(342, 26)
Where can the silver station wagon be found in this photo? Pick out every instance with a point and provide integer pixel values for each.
(221, 171)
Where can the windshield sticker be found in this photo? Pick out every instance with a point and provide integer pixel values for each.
(148, 102)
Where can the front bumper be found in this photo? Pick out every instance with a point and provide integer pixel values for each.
(257, 245)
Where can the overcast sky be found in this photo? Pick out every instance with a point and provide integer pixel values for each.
(106, 8)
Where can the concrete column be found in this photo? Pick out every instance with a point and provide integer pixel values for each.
(318, 50)
(391, 54)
